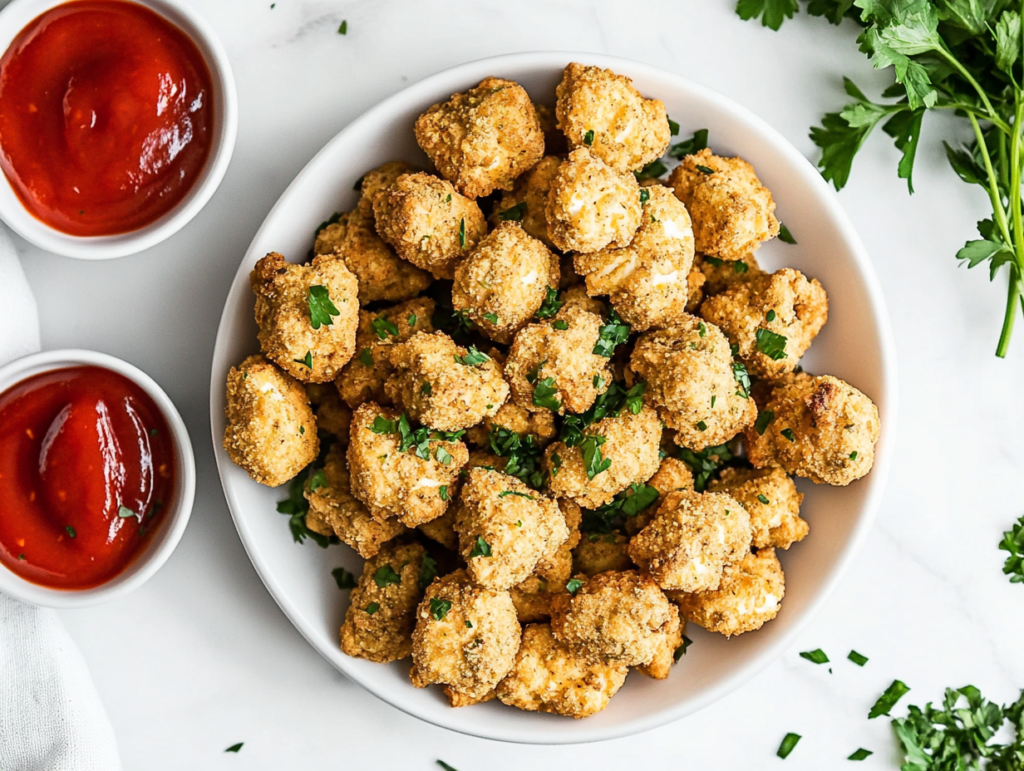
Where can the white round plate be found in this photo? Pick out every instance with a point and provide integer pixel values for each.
(855, 345)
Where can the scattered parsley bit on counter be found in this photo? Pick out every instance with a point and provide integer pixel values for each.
(236, 747)
(788, 743)
(857, 658)
(816, 656)
(770, 344)
(694, 144)
(480, 549)
(445, 766)
(513, 213)
(1013, 542)
(861, 754)
(439, 608)
(383, 328)
(573, 585)
(785, 235)
(888, 699)
(386, 576)
(372, 608)
(321, 309)
(343, 578)
(343, 29)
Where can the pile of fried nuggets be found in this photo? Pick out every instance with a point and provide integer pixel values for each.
(623, 320)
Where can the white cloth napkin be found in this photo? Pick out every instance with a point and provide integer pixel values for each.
(51, 718)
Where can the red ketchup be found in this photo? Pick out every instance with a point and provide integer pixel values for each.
(106, 116)
(86, 468)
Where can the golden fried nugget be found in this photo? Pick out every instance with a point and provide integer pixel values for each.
(558, 354)
(591, 206)
(428, 222)
(442, 529)
(583, 474)
(539, 426)
(719, 275)
(819, 427)
(307, 315)
(613, 617)
(749, 596)
(466, 636)
(379, 179)
(771, 318)
(362, 379)
(505, 528)
(647, 280)
(481, 140)
(602, 111)
(444, 385)
(548, 677)
(771, 499)
(527, 202)
(695, 288)
(576, 297)
(691, 539)
(382, 608)
(393, 483)
(332, 415)
(601, 553)
(532, 597)
(504, 281)
(672, 475)
(333, 510)
(270, 431)
(669, 640)
(732, 212)
(692, 381)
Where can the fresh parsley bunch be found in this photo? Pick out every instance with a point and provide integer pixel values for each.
(963, 56)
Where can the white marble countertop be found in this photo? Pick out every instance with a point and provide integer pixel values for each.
(201, 657)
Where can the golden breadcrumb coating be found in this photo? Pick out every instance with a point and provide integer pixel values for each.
(695, 288)
(333, 510)
(548, 677)
(821, 428)
(382, 608)
(733, 213)
(631, 444)
(504, 280)
(576, 297)
(554, 140)
(362, 379)
(591, 206)
(481, 140)
(396, 484)
(647, 281)
(270, 431)
(538, 425)
(285, 294)
(600, 553)
(532, 597)
(379, 179)
(669, 640)
(771, 499)
(428, 222)
(528, 199)
(749, 596)
(672, 475)
(783, 303)
(603, 111)
(613, 617)
(442, 529)
(505, 528)
(560, 350)
(332, 416)
(719, 275)
(444, 385)
(691, 380)
(691, 539)
(466, 636)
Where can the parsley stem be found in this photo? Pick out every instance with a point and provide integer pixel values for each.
(945, 54)
(993, 185)
(1010, 316)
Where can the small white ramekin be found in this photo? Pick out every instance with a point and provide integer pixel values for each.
(14, 18)
(170, 530)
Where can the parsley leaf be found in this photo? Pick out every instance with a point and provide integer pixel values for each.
(306, 361)
(513, 213)
(705, 464)
(652, 170)
(785, 235)
(588, 138)
(613, 333)
(691, 146)
(611, 516)
(383, 328)
(544, 394)
(462, 233)
(764, 419)
(473, 357)
(382, 425)
(681, 650)
(491, 317)
(439, 608)
(791, 739)
(551, 304)
(428, 571)
(594, 462)
(442, 492)
(888, 699)
(480, 549)
(742, 378)
(444, 765)
(861, 754)
(321, 309)
(372, 608)
(857, 658)
(235, 747)
(523, 454)
(344, 579)
(386, 576)
(770, 344)
(1013, 543)
(816, 656)
(366, 358)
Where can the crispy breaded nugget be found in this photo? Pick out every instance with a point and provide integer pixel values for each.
(381, 273)
(442, 529)
(382, 608)
(466, 637)
(444, 385)
(378, 179)
(270, 431)
(413, 485)
(771, 499)
(694, 286)
(428, 222)
(311, 347)
(333, 510)
(540, 426)
(504, 280)
(532, 597)
(613, 617)
(819, 427)
(749, 596)
(719, 275)
(505, 528)
(733, 213)
(560, 351)
(363, 378)
(576, 297)
(591, 206)
(548, 677)
(602, 111)
(691, 539)
(669, 640)
(755, 314)
(691, 380)
(647, 280)
(672, 475)
(631, 443)
(528, 200)
(332, 415)
(601, 553)
(483, 139)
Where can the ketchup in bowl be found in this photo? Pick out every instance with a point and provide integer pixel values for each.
(106, 116)
(86, 466)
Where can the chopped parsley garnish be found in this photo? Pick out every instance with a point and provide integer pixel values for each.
(513, 213)
(426, 389)
(857, 658)
(334, 218)
(442, 491)
(463, 323)
(317, 480)
(544, 394)
(693, 145)
(770, 344)
(705, 463)
(888, 699)
(523, 454)
(295, 507)
(853, 455)
(236, 747)
(366, 358)
(635, 397)
(702, 329)
(462, 233)
(705, 169)
(652, 170)
(702, 426)
(598, 382)
(608, 405)
(1013, 543)
(382, 425)
(480, 549)
(551, 304)
(560, 324)
(306, 361)
(593, 461)
(428, 571)
(386, 576)
(742, 377)
(343, 29)
(372, 608)
(785, 235)
(344, 579)
(861, 754)
(71, 531)
(816, 656)
(764, 420)
(739, 267)
(443, 456)
(714, 398)
(614, 332)
(506, 493)
(383, 328)
(321, 309)
(411, 321)
(645, 195)
(770, 316)
(788, 743)
(469, 624)
(473, 358)
(556, 464)
(679, 652)
(573, 585)
(588, 138)
(673, 127)
(445, 766)
(788, 433)
(124, 512)
(491, 317)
